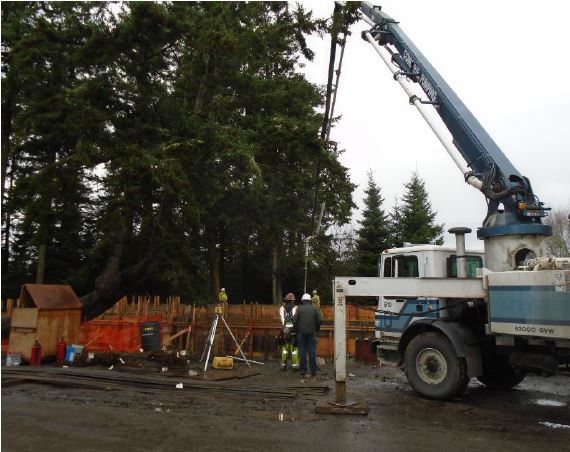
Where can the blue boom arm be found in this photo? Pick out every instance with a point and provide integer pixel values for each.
(512, 206)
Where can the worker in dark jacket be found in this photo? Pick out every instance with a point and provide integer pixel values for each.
(307, 321)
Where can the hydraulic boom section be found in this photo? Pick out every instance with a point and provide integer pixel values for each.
(513, 208)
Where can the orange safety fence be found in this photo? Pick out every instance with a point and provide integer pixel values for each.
(113, 335)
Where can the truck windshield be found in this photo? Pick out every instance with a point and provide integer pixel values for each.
(401, 266)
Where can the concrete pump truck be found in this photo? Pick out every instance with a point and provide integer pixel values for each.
(447, 314)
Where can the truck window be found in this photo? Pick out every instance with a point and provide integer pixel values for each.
(388, 268)
(407, 267)
(473, 263)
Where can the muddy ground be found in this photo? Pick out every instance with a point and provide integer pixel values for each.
(40, 417)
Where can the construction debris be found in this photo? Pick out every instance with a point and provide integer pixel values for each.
(105, 380)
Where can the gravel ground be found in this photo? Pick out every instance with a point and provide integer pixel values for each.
(40, 417)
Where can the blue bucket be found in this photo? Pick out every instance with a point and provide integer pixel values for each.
(71, 351)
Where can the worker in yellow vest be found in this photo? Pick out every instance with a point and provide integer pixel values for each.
(287, 338)
(316, 300)
(221, 305)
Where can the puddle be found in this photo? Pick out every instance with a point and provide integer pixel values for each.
(546, 402)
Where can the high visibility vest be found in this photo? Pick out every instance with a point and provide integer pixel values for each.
(287, 312)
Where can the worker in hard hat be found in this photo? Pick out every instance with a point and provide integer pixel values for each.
(307, 320)
(287, 338)
(316, 300)
(221, 305)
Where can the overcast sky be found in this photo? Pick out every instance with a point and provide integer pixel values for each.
(506, 60)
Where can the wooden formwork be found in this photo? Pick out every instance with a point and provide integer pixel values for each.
(186, 327)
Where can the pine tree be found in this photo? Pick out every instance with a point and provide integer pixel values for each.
(374, 233)
(54, 115)
(160, 147)
(396, 228)
(417, 218)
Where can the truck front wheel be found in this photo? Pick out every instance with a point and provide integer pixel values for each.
(433, 368)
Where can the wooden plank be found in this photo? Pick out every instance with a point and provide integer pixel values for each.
(21, 341)
(323, 407)
(180, 333)
(12, 381)
(25, 318)
(219, 375)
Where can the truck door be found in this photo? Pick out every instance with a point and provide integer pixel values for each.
(389, 319)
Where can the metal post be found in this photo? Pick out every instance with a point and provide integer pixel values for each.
(211, 341)
(460, 250)
(340, 345)
(207, 341)
(340, 405)
(306, 264)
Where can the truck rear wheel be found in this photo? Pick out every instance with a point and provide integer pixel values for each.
(433, 368)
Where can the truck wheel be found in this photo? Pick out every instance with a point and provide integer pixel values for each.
(501, 379)
(433, 369)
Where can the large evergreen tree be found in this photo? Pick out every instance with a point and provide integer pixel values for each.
(415, 219)
(374, 233)
(161, 148)
(55, 115)
(396, 228)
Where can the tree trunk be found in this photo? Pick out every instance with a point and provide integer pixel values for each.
(201, 95)
(107, 283)
(244, 268)
(214, 262)
(6, 133)
(222, 254)
(112, 284)
(7, 231)
(276, 275)
(45, 228)
(41, 263)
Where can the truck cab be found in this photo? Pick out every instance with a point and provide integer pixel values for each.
(396, 314)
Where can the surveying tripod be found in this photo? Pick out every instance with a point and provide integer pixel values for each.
(218, 314)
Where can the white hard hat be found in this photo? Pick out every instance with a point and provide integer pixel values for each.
(306, 297)
(223, 290)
